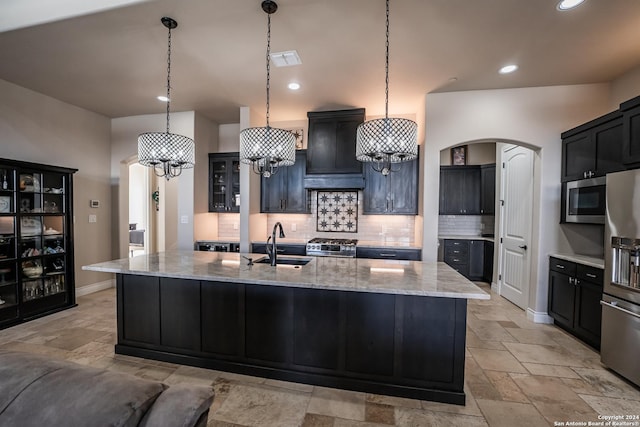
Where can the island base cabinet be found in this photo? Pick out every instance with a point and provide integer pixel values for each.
(402, 345)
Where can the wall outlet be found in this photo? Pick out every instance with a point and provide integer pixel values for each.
(294, 227)
(235, 225)
(184, 219)
(93, 218)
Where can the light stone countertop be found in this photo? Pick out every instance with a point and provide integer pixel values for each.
(581, 259)
(465, 237)
(435, 279)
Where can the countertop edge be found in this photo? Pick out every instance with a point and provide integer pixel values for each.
(147, 265)
(581, 259)
(438, 294)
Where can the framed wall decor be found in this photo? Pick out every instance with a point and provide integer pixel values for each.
(299, 134)
(459, 155)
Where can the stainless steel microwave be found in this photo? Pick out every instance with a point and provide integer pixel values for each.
(586, 201)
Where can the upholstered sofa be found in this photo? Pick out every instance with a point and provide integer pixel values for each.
(40, 391)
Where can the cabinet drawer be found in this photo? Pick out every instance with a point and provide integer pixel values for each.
(458, 251)
(387, 253)
(459, 245)
(562, 266)
(456, 259)
(590, 274)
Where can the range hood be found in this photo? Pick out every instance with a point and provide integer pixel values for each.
(331, 150)
(342, 181)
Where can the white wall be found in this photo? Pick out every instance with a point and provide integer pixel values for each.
(37, 128)
(624, 88)
(137, 196)
(534, 117)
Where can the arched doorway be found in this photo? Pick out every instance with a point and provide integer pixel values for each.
(512, 223)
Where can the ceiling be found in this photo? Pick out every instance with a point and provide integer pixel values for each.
(113, 62)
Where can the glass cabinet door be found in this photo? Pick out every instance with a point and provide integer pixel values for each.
(224, 183)
(219, 185)
(36, 252)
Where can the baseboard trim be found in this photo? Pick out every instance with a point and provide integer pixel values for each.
(538, 316)
(494, 287)
(95, 287)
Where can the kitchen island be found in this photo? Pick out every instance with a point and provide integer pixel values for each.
(385, 327)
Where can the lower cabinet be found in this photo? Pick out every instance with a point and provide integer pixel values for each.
(471, 258)
(404, 254)
(315, 336)
(574, 299)
(283, 249)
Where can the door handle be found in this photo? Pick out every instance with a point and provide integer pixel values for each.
(523, 247)
(614, 305)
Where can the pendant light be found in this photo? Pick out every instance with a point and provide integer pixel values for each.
(386, 141)
(167, 153)
(265, 148)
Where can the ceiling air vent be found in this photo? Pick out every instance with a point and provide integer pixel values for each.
(285, 59)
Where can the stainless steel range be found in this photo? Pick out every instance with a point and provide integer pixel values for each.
(332, 247)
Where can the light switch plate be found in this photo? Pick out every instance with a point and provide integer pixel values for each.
(93, 218)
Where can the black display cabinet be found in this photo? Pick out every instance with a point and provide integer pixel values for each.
(36, 241)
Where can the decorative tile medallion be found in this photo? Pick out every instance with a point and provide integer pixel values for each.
(338, 211)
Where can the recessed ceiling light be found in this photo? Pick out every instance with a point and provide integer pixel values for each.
(568, 4)
(293, 86)
(508, 69)
(163, 98)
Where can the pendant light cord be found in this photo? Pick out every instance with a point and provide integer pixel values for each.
(268, 62)
(386, 81)
(168, 77)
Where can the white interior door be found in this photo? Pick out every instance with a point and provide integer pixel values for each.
(516, 194)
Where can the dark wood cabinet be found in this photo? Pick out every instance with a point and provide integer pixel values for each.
(488, 189)
(283, 248)
(406, 254)
(488, 262)
(180, 309)
(394, 194)
(317, 336)
(456, 255)
(140, 317)
(36, 240)
(284, 192)
(471, 258)
(224, 182)
(476, 259)
(574, 299)
(459, 190)
(631, 131)
(332, 141)
(593, 149)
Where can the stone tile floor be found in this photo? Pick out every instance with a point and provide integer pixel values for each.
(518, 373)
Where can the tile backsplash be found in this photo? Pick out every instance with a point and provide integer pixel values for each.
(465, 225)
(375, 228)
(378, 228)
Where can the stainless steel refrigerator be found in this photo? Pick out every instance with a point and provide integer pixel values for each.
(620, 345)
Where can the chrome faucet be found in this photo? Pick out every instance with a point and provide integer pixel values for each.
(272, 248)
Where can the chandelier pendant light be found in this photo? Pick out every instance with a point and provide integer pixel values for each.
(167, 153)
(267, 149)
(386, 141)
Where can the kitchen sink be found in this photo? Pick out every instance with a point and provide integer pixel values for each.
(282, 260)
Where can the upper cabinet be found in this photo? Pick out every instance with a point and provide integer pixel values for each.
(488, 189)
(594, 148)
(332, 142)
(631, 131)
(394, 194)
(224, 182)
(284, 192)
(460, 190)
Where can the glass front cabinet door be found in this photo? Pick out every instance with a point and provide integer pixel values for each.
(224, 182)
(36, 240)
